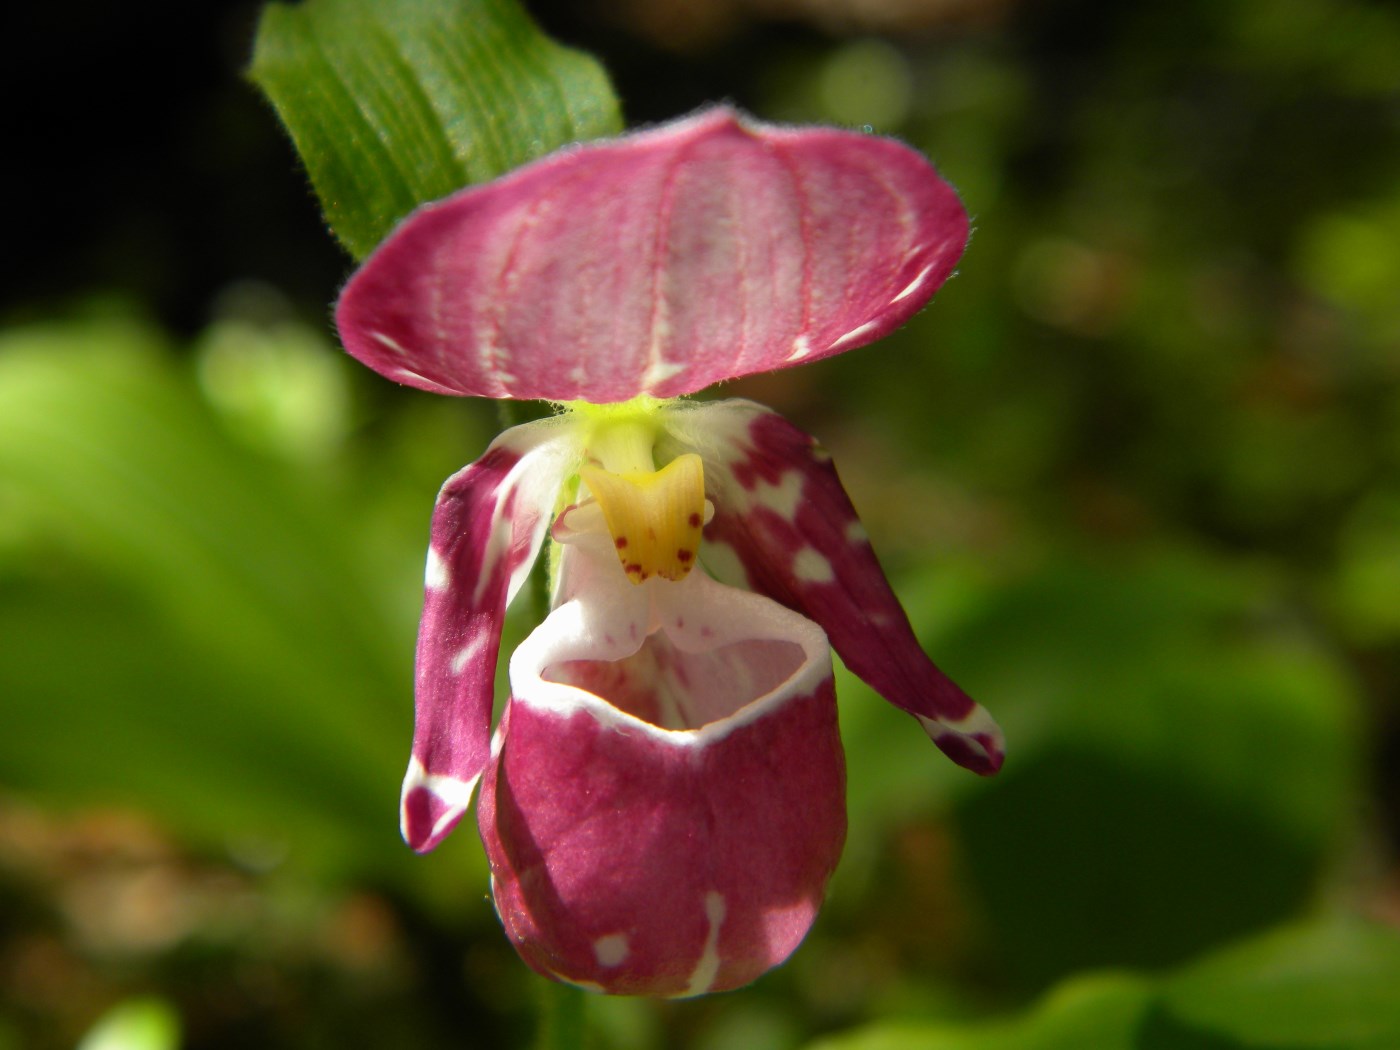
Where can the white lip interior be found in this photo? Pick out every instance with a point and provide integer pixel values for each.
(688, 660)
(672, 689)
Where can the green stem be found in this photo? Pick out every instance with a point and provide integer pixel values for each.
(561, 1017)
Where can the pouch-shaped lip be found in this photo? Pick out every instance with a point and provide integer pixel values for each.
(700, 617)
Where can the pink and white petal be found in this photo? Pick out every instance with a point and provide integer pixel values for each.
(488, 524)
(677, 862)
(784, 523)
(657, 263)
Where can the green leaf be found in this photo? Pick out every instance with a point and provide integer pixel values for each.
(1098, 1012)
(394, 104)
(1183, 764)
(188, 626)
(137, 1024)
(1328, 985)
(1174, 735)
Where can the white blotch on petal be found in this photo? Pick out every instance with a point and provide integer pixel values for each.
(854, 334)
(388, 344)
(975, 721)
(660, 371)
(466, 654)
(811, 566)
(801, 347)
(435, 575)
(497, 545)
(856, 533)
(611, 950)
(519, 576)
(976, 729)
(913, 285)
(493, 359)
(453, 793)
(782, 498)
(702, 978)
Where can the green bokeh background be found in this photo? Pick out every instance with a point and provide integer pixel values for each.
(1135, 473)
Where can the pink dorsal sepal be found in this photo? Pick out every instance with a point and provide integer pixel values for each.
(657, 263)
(783, 512)
(487, 528)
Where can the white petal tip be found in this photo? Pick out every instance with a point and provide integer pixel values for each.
(974, 741)
(431, 805)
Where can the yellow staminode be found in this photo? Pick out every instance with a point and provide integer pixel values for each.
(655, 517)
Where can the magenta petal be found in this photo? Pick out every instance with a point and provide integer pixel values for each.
(487, 528)
(657, 263)
(635, 865)
(783, 512)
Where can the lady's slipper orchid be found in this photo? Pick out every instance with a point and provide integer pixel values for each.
(662, 802)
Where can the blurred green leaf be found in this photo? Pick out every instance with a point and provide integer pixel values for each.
(1184, 762)
(137, 1024)
(1181, 764)
(1099, 1012)
(392, 105)
(1331, 986)
(282, 388)
(186, 624)
(1326, 986)
(1368, 574)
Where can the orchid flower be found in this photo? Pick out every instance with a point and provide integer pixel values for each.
(662, 802)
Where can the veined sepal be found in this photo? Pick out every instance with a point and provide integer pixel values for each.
(784, 527)
(657, 263)
(488, 524)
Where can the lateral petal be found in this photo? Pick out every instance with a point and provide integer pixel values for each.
(677, 861)
(487, 527)
(784, 523)
(657, 263)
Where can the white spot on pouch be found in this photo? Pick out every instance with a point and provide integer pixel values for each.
(611, 950)
(702, 978)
